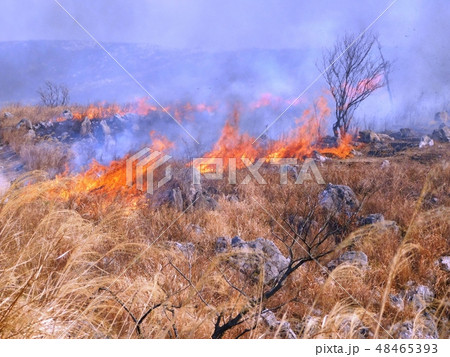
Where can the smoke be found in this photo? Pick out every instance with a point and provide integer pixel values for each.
(223, 53)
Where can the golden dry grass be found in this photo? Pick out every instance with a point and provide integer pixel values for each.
(79, 268)
(68, 274)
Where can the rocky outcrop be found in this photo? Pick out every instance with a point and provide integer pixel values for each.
(67, 114)
(369, 136)
(420, 297)
(176, 199)
(283, 327)
(422, 328)
(8, 115)
(425, 141)
(441, 118)
(442, 134)
(407, 133)
(86, 127)
(201, 199)
(187, 249)
(351, 258)
(371, 219)
(105, 128)
(416, 296)
(253, 258)
(339, 199)
(25, 123)
(444, 263)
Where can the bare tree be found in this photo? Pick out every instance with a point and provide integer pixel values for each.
(53, 95)
(353, 69)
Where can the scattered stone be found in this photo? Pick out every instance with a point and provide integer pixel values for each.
(425, 141)
(351, 257)
(46, 124)
(385, 164)
(195, 228)
(119, 118)
(444, 263)
(26, 123)
(442, 134)
(385, 137)
(356, 153)
(339, 198)
(407, 133)
(188, 249)
(388, 225)
(64, 136)
(31, 134)
(369, 136)
(355, 325)
(232, 198)
(221, 245)
(317, 157)
(283, 328)
(105, 128)
(376, 228)
(396, 300)
(371, 219)
(8, 115)
(67, 114)
(86, 127)
(420, 296)
(253, 257)
(424, 329)
(403, 330)
(204, 201)
(176, 198)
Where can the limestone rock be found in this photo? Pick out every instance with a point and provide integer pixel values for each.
(442, 134)
(26, 123)
(274, 324)
(86, 127)
(339, 199)
(351, 257)
(254, 257)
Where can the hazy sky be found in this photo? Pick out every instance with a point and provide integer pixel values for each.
(222, 24)
(414, 33)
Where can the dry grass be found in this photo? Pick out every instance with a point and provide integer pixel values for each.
(81, 268)
(65, 273)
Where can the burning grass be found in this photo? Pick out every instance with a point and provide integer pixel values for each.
(84, 255)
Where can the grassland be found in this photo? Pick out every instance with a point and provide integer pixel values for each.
(78, 268)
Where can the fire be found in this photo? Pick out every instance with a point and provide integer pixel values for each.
(232, 144)
(302, 141)
(270, 100)
(99, 181)
(344, 148)
(141, 107)
(160, 142)
(109, 182)
(100, 111)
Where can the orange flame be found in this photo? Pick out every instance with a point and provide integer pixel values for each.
(160, 142)
(232, 144)
(300, 142)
